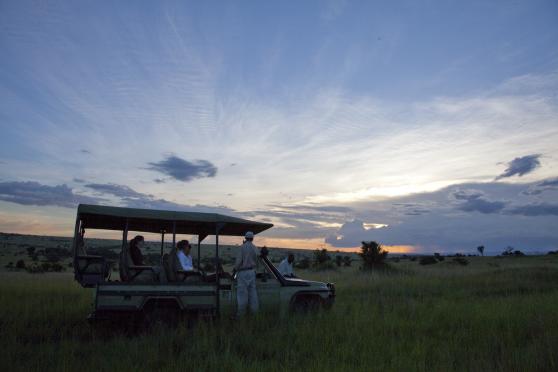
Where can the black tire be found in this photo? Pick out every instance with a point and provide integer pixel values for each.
(306, 305)
(160, 315)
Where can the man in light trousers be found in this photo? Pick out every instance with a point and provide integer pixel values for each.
(245, 267)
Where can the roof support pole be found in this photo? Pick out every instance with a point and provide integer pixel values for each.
(199, 244)
(201, 237)
(162, 241)
(74, 243)
(174, 234)
(218, 228)
(125, 235)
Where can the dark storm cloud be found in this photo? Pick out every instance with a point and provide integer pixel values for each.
(184, 170)
(533, 210)
(521, 166)
(115, 189)
(34, 193)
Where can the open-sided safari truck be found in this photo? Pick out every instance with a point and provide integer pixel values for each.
(163, 290)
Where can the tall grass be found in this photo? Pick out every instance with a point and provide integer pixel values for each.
(440, 318)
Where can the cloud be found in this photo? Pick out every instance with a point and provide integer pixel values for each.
(85, 151)
(474, 201)
(521, 166)
(116, 190)
(546, 185)
(445, 228)
(134, 199)
(184, 170)
(34, 193)
(533, 210)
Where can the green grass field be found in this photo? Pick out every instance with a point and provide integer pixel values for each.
(493, 314)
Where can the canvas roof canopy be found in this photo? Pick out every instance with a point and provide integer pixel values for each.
(156, 221)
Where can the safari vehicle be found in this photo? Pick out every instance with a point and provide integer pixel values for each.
(163, 291)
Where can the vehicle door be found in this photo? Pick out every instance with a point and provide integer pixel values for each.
(268, 288)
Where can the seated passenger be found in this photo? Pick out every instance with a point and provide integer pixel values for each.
(286, 266)
(183, 254)
(136, 244)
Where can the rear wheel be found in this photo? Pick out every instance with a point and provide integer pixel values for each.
(160, 315)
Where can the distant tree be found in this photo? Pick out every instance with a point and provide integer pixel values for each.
(347, 261)
(339, 260)
(321, 256)
(480, 248)
(372, 254)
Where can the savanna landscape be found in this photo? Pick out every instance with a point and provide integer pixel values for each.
(459, 313)
(401, 155)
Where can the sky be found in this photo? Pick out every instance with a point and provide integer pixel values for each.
(428, 126)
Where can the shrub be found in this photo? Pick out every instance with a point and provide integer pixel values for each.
(56, 267)
(508, 251)
(438, 256)
(10, 265)
(338, 260)
(303, 264)
(327, 265)
(20, 264)
(428, 260)
(372, 255)
(347, 260)
(460, 260)
(35, 269)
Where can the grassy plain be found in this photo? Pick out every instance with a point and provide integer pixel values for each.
(493, 314)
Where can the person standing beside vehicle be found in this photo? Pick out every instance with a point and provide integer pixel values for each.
(183, 255)
(245, 267)
(286, 266)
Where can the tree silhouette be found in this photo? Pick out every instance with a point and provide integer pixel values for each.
(480, 248)
(372, 254)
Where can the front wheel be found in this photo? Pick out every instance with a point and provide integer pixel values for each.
(306, 305)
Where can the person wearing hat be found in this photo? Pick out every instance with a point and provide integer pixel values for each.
(245, 267)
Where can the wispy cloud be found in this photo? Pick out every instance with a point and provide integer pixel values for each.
(184, 170)
(34, 193)
(114, 189)
(539, 209)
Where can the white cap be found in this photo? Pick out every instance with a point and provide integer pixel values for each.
(249, 235)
